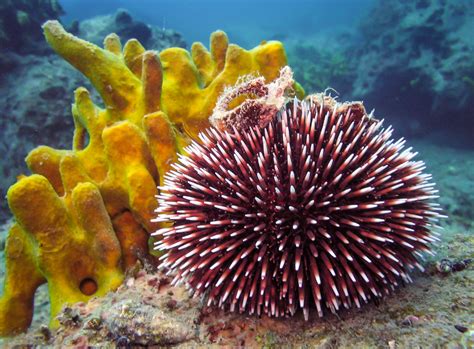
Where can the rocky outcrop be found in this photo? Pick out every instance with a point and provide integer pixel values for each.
(20, 24)
(415, 63)
(126, 27)
(410, 60)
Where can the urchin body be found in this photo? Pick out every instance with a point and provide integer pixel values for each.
(319, 208)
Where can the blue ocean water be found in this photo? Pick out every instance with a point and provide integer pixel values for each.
(247, 21)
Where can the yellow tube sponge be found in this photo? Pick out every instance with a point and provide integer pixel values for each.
(84, 216)
(67, 242)
(22, 278)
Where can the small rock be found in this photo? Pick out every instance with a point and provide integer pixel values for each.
(130, 282)
(452, 170)
(444, 266)
(93, 324)
(410, 320)
(461, 328)
(69, 317)
(153, 282)
(123, 341)
(122, 17)
(45, 332)
(172, 304)
(461, 265)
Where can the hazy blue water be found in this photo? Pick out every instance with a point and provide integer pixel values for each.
(246, 21)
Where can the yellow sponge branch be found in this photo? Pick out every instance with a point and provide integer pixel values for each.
(132, 56)
(22, 278)
(219, 45)
(118, 87)
(152, 79)
(112, 44)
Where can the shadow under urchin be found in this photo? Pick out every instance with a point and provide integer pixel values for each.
(318, 207)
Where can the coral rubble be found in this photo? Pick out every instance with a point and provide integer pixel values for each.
(84, 216)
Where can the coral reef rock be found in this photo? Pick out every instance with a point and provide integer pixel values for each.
(416, 68)
(84, 216)
(323, 65)
(418, 64)
(126, 27)
(20, 24)
(146, 310)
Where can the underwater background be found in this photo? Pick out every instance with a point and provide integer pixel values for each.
(411, 61)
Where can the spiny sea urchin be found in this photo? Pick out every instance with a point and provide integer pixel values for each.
(319, 206)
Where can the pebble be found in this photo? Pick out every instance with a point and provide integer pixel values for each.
(93, 324)
(130, 282)
(123, 342)
(461, 328)
(410, 320)
(446, 266)
(461, 265)
(45, 332)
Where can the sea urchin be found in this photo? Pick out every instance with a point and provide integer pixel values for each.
(318, 207)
